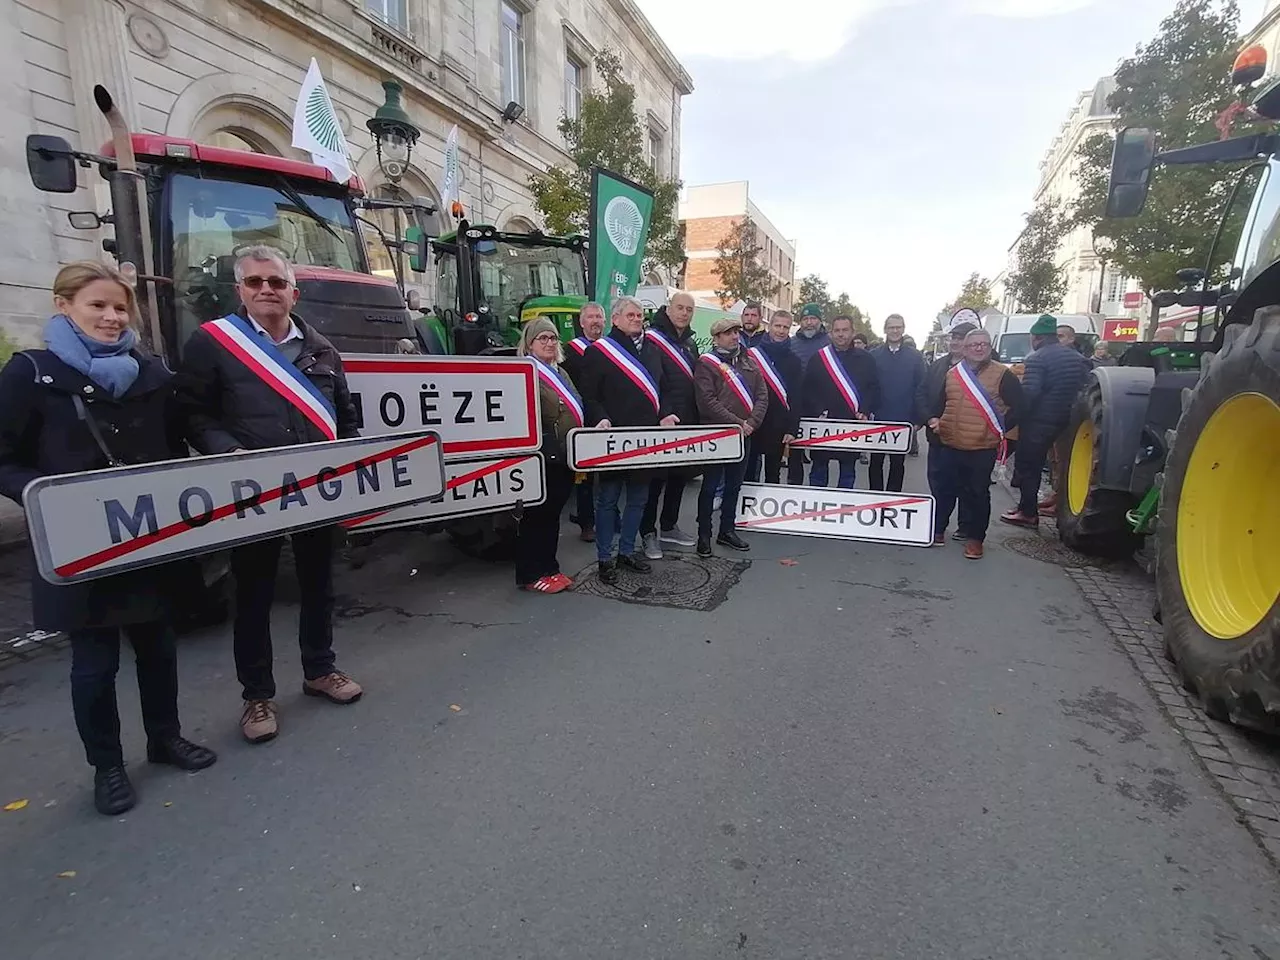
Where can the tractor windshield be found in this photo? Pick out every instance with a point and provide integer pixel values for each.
(209, 219)
(510, 272)
(1259, 233)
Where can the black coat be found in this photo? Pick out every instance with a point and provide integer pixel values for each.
(41, 434)
(609, 394)
(227, 405)
(677, 385)
(931, 387)
(781, 420)
(821, 393)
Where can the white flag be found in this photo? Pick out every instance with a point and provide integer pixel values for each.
(449, 182)
(316, 127)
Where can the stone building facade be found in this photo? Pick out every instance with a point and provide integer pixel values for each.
(227, 73)
(708, 213)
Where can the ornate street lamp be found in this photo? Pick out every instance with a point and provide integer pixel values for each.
(394, 134)
(1103, 248)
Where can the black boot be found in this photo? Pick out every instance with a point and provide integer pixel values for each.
(608, 572)
(632, 562)
(704, 546)
(180, 753)
(112, 792)
(732, 541)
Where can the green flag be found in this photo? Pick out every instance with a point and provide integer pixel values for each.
(620, 215)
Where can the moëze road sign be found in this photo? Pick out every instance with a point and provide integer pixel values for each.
(88, 525)
(478, 405)
(901, 518)
(472, 487)
(633, 448)
(854, 435)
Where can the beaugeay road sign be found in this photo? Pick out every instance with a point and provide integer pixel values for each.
(860, 435)
(478, 405)
(89, 525)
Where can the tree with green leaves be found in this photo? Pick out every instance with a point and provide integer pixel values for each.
(813, 289)
(1037, 282)
(975, 294)
(741, 274)
(1179, 85)
(607, 133)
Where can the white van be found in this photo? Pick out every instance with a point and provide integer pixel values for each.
(1011, 335)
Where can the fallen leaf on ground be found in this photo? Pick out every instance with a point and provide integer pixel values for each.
(788, 562)
(168, 803)
(15, 805)
(455, 708)
(66, 875)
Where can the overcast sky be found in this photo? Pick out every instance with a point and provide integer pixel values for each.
(897, 142)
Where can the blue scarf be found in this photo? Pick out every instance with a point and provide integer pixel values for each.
(107, 364)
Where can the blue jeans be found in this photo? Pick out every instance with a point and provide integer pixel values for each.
(608, 492)
(848, 469)
(728, 478)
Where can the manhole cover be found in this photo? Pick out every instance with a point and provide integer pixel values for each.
(683, 581)
(1052, 551)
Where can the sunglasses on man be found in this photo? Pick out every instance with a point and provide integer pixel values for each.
(275, 283)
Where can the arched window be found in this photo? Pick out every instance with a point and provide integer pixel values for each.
(236, 140)
(518, 225)
(240, 125)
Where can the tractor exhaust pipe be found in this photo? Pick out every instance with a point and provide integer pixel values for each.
(132, 221)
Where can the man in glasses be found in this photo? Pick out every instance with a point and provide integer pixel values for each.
(231, 405)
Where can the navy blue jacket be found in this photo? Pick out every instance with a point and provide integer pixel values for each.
(1052, 379)
(901, 374)
(806, 348)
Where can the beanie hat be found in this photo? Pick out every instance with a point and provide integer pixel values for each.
(1046, 326)
(811, 310)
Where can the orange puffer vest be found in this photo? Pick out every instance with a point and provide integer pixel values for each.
(962, 425)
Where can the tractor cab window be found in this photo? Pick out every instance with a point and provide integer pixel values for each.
(509, 273)
(210, 219)
(1259, 232)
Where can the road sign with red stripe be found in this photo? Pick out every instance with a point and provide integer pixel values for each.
(903, 518)
(472, 487)
(857, 435)
(89, 525)
(634, 448)
(478, 405)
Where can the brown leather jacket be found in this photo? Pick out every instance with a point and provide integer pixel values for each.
(962, 425)
(718, 402)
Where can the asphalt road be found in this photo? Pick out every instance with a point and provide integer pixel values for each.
(875, 753)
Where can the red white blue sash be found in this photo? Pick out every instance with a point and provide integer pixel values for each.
(264, 358)
(554, 379)
(580, 344)
(771, 375)
(733, 378)
(632, 367)
(671, 350)
(840, 377)
(978, 397)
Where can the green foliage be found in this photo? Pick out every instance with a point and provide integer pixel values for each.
(975, 294)
(1037, 283)
(1177, 84)
(813, 289)
(7, 349)
(607, 133)
(741, 274)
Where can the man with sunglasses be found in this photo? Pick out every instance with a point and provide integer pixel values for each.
(230, 405)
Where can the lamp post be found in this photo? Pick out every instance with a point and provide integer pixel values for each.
(1103, 248)
(394, 137)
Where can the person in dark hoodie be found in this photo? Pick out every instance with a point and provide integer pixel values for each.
(780, 368)
(753, 333)
(671, 331)
(590, 328)
(963, 322)
(901, 372)
(805, 344)
(841, 383)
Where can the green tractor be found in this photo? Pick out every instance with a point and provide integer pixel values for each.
(1181, 441)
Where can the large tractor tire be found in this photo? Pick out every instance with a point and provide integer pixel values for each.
(1091, 520)
(1218, 533)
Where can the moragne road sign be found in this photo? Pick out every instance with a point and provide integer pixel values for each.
(88, 525)
(471, 487)
(634, 448)
(478, 405)
(901, 518)
(857, 435)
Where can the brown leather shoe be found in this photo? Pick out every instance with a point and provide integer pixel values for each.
(940, 539)
(973, 550)
(335, 687)
(258, 722)
(1014, 518)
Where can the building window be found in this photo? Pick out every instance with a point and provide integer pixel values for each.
(391, 12)
(653, 151)
(512, 54)
(1117, 286)
(574, 73)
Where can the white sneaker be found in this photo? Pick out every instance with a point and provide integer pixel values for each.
(678, 537)
(651, 549)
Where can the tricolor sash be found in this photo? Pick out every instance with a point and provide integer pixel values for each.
(733, 378)
(840, 377)
(256, 351)
(632, 368)
(580, 344)
(554, 379)
(771, 375)
(978, 397)
(672, 351)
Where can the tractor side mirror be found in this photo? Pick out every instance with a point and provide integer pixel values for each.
(1131, 161)
(1190, 276)
(51, 164)
(417, 244)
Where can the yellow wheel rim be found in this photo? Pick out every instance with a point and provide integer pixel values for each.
(1080, 467)
(1229, 518)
